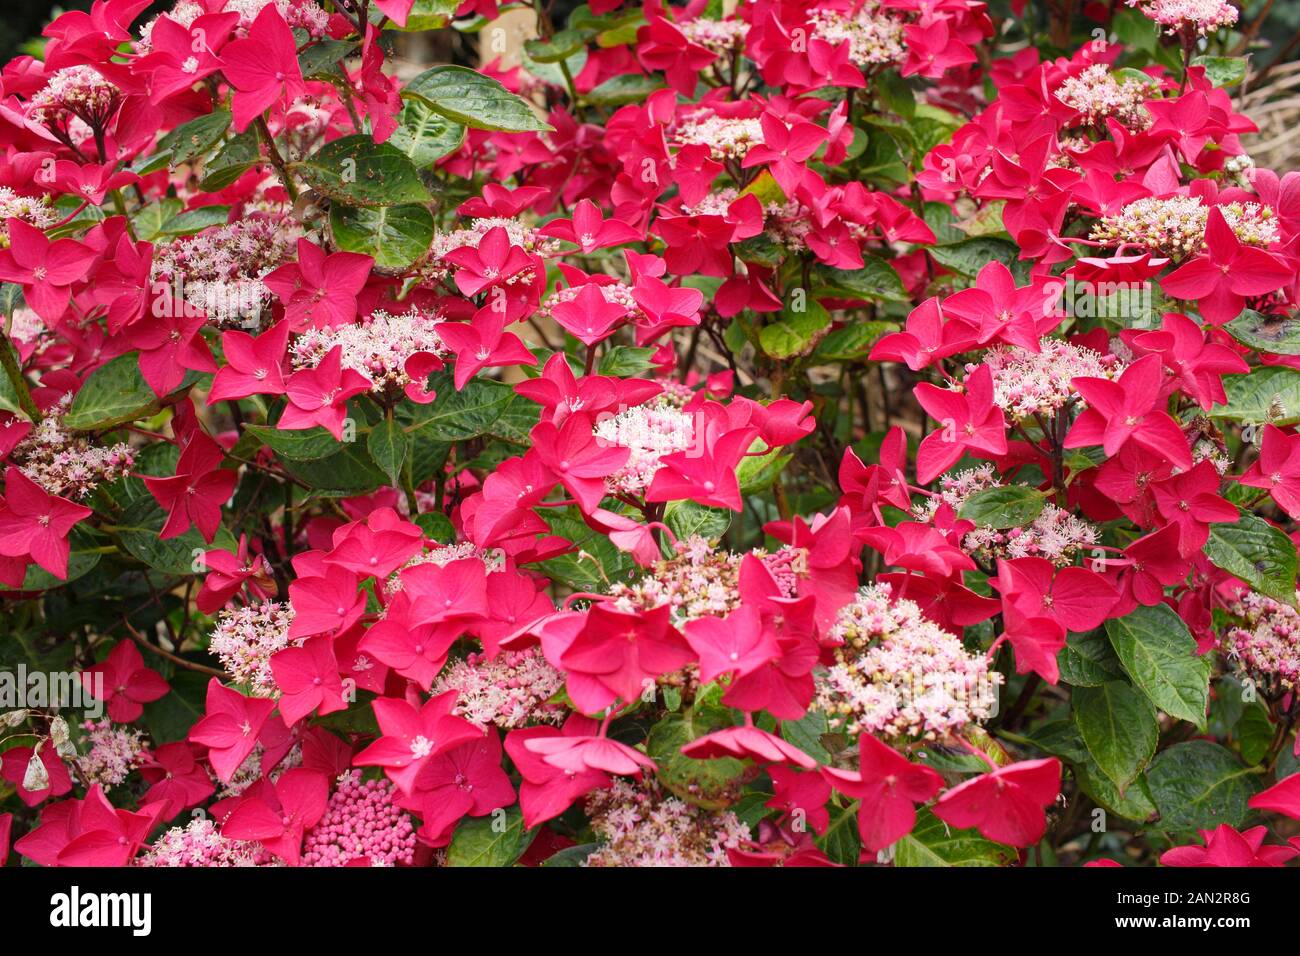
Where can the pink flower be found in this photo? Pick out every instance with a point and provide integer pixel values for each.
(483, 343)
(969, 422)
(1225, 846)
(178, 781)
(308, 678)
(254, 366)
(1228, 272)
(589, 230)
(547, 790)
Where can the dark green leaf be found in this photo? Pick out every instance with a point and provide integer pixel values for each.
(472, 99)
(1198, 785)
(498, 839)
(360, 172)
(1118, 726)
(1258, 553)
(1007, 506)
(934, 843)
(425, 135)
(388, 445)
(1275, 334)
(396, 236)
(1159, 654)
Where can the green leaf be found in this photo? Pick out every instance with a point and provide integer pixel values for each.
(1088, 660)
(424, 15)
(1258, 553)
(1007, 506)
(571, 855)
(559, 47)
(498, 839)
(196, 220)
(713, 783)
(387, 445)
(841, 842)
(472, 99)
(852, 343)
(239, 154)
(115, 393)
(624, 89)
(1222, 70)
(396, 236)
(457, 416)
(876, 281)
(1254, 733)
(756, 473)
(1198, 785)
(320, 61)
(437, 526)
(624, 360)
(686, 518)
(1270, 393)
(189, 140)
(1061, 739)
(795, 333)
(425, 135)
(806, 733)
(148, 221)
(967, 257)
(360, 172)
(1159, 654)
(170, 717)
(1118, 726)
(299, 444)
(1275, 334)
(139, 527)
(934, 843)
(347, 472)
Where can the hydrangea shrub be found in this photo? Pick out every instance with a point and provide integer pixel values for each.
(734, 434)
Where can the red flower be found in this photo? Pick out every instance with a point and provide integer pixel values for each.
(1007, 805)
(1226, 274)
(969, 422)
(195, 494)
(1277, 469)
(277, 815)
(229, 727)
(1127, 409)
(253, 365)
(35, 524)
(319, 396)
(320, 290)
(1225, 846)
(126, 683)
(263, 68)
(410, 738)
(46, 270)
(888, 787)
